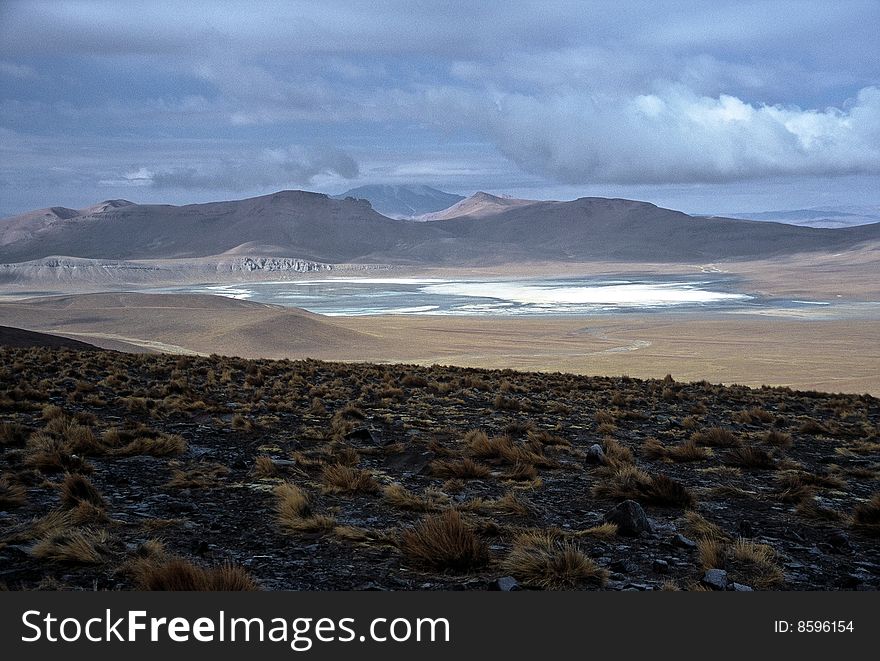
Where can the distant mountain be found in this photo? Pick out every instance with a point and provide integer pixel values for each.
(402, 201)
(31, 224)
(478, 205)
(826, 217)
(313, 226)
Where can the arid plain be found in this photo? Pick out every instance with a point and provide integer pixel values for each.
(830, 350)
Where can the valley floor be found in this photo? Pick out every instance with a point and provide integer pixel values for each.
(838, 355)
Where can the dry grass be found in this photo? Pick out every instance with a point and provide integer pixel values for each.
(265, 467)
(462, 469)
(750, 456)
(629, 482)
(199, 476)
(616, 453)
(755, 564)
(12, 494)
(400, 497)
(444, 542)
(179, 574)
(684, 452)
(77, 489)
(698, 526)
(866, 516)
(779, 439)
(84, 547)
(13, 433)
(546, 561)
(718, 437)
(604, 531)
(809, 508)
(163, 445)
(711, 553)
(294, 511)
(345, 479)
(509, 503)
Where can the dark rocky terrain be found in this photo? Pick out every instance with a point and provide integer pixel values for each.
(122, 471)
(19, 338)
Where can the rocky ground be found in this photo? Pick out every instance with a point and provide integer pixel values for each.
(124, 471)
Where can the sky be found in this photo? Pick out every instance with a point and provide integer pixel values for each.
(707, 107)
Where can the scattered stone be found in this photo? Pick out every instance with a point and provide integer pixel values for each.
(413, 461)
(715, 579)
(595, 454)
(739, 587)
(630, 518)
(507, 584)
(660, 566)
(624, 566)
(363, 434)
(838, 539)
(683, 542)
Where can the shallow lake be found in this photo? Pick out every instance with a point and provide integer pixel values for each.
(349, 296)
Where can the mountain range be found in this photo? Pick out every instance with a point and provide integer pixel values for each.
(481, 229)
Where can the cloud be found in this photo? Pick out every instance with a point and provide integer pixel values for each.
(676, 136)
(295, 165)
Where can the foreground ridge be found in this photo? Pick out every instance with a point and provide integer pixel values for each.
(122, 471)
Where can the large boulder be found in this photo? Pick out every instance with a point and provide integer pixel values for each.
(630, 518)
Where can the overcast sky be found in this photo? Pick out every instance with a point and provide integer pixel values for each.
(701, 106)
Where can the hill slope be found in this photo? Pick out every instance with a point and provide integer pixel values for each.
(313, 226)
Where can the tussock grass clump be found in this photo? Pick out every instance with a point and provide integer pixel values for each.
(12, 494)
(179, 574)
(509, 503)
(866, 516)
(13, 433)
(809, 508)
(712, 553)
(346, 479)
(50, 454)
(463, 469)
(616, 453)
(543, 560)
(755, 564)
(399, 496)
(684, 452)
(503, 449)
(162, 445)
(750, 456)
(77, 489)
(701, 528)
(294, 511)
(602, 531)
(444, 542)
(520, 472)
(813, 427)
(265, 467)
(84, 547)
(779, 439)
(718, 437)
(199, 476)
(629, 482)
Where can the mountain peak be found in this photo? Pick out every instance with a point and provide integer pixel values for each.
(478, 205)
(402, 200)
